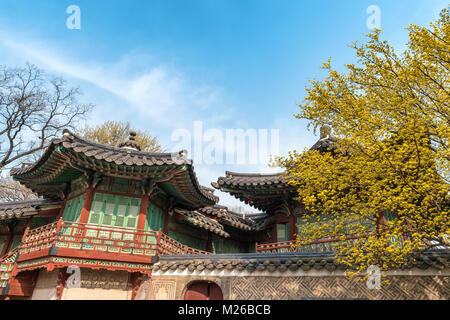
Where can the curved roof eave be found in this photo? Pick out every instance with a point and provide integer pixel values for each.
(118, 156)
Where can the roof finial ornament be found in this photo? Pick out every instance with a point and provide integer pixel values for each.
(131, 142)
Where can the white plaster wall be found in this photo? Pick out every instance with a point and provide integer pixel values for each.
(45, 288)
(95, 294)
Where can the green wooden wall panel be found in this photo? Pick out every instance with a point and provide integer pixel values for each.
(188, 240)
(283, 232)
(154, 219)
(2, 242)
(16, 241)
(222, 245)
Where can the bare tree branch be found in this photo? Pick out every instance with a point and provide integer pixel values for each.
(34, 108)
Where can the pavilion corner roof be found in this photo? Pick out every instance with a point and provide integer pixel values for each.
(265, 192)
(71, 156)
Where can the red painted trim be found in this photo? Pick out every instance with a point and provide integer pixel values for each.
(142, 213)
(61, 283)
(293, 229)
(23, 284)
(33, 255)
(135, 281)
(84, 216)
(49, 266)
(87, 254)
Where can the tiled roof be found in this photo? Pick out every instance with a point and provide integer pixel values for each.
(254, 179)
(107, 153)
(264, 191)
(324, 144)
(199, 220)
(228, 217)
(251, 179)
(281, 262)
(18, 209)
(262, 223)
(113, 155)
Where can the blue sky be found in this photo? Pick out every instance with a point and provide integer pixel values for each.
(230, 63)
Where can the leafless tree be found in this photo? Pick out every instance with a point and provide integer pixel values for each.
(11, 190)
(34, 108)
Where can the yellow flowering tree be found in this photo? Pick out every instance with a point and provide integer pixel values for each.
(116, 132)
(383, 187)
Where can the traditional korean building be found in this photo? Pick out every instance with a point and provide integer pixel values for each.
(136, 225)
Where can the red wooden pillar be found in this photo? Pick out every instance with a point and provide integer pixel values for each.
(381, 223)
(135, 281)
(84, 217)
(61, 283)
(142, 213)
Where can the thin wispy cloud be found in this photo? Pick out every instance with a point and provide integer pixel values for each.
(156, 93)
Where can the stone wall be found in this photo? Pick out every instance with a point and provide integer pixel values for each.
(415, 283)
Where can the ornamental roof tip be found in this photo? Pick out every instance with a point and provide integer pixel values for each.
(131, 142)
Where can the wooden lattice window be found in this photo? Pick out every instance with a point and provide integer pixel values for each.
(283, 232)
(113, 210)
